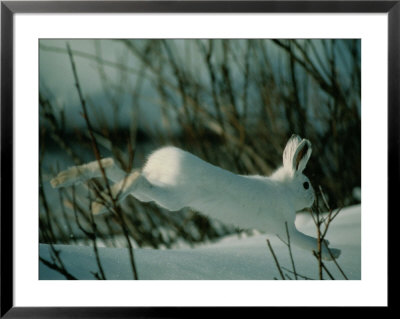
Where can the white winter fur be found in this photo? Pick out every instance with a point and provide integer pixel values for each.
(175, 179)
(189, 181)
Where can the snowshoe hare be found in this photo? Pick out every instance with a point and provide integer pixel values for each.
(175, 179)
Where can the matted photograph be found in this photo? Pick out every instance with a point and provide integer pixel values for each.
(199, 159)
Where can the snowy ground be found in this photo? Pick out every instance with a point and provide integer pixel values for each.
(230, 258)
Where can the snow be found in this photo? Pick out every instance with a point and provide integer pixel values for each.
(230, 258)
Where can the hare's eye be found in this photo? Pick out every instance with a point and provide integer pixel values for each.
(306, 185)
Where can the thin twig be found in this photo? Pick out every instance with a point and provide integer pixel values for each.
(57, 263)
(290, 252)
(331, 216)
(97, 155)
(336, 263)
(69, 227)
(94, 240)
(276, 260)
(299, 275)
(122, 223)
(91, 235)
(61, 270)
(318, 253)
(322, 265)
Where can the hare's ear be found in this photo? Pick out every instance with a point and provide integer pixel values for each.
(296, 154)
(302, 155)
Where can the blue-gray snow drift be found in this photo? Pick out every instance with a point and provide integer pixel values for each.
(175, 179)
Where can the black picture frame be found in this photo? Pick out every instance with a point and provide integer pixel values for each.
(9, 8)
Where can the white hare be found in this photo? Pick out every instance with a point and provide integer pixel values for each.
(175, 179)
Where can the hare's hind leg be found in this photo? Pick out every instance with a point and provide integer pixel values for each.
(138, 186)
(118, 192)
(87, 171)
(162, 195)
(310, 243)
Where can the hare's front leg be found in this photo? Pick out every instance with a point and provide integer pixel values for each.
(310, 243)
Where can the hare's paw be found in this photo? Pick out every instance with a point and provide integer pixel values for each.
(333, 253)
(81, 173)
(66, 178)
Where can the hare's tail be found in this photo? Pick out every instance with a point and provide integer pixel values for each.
(77, 174)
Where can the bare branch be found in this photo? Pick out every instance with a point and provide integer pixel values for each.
(275, 259)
